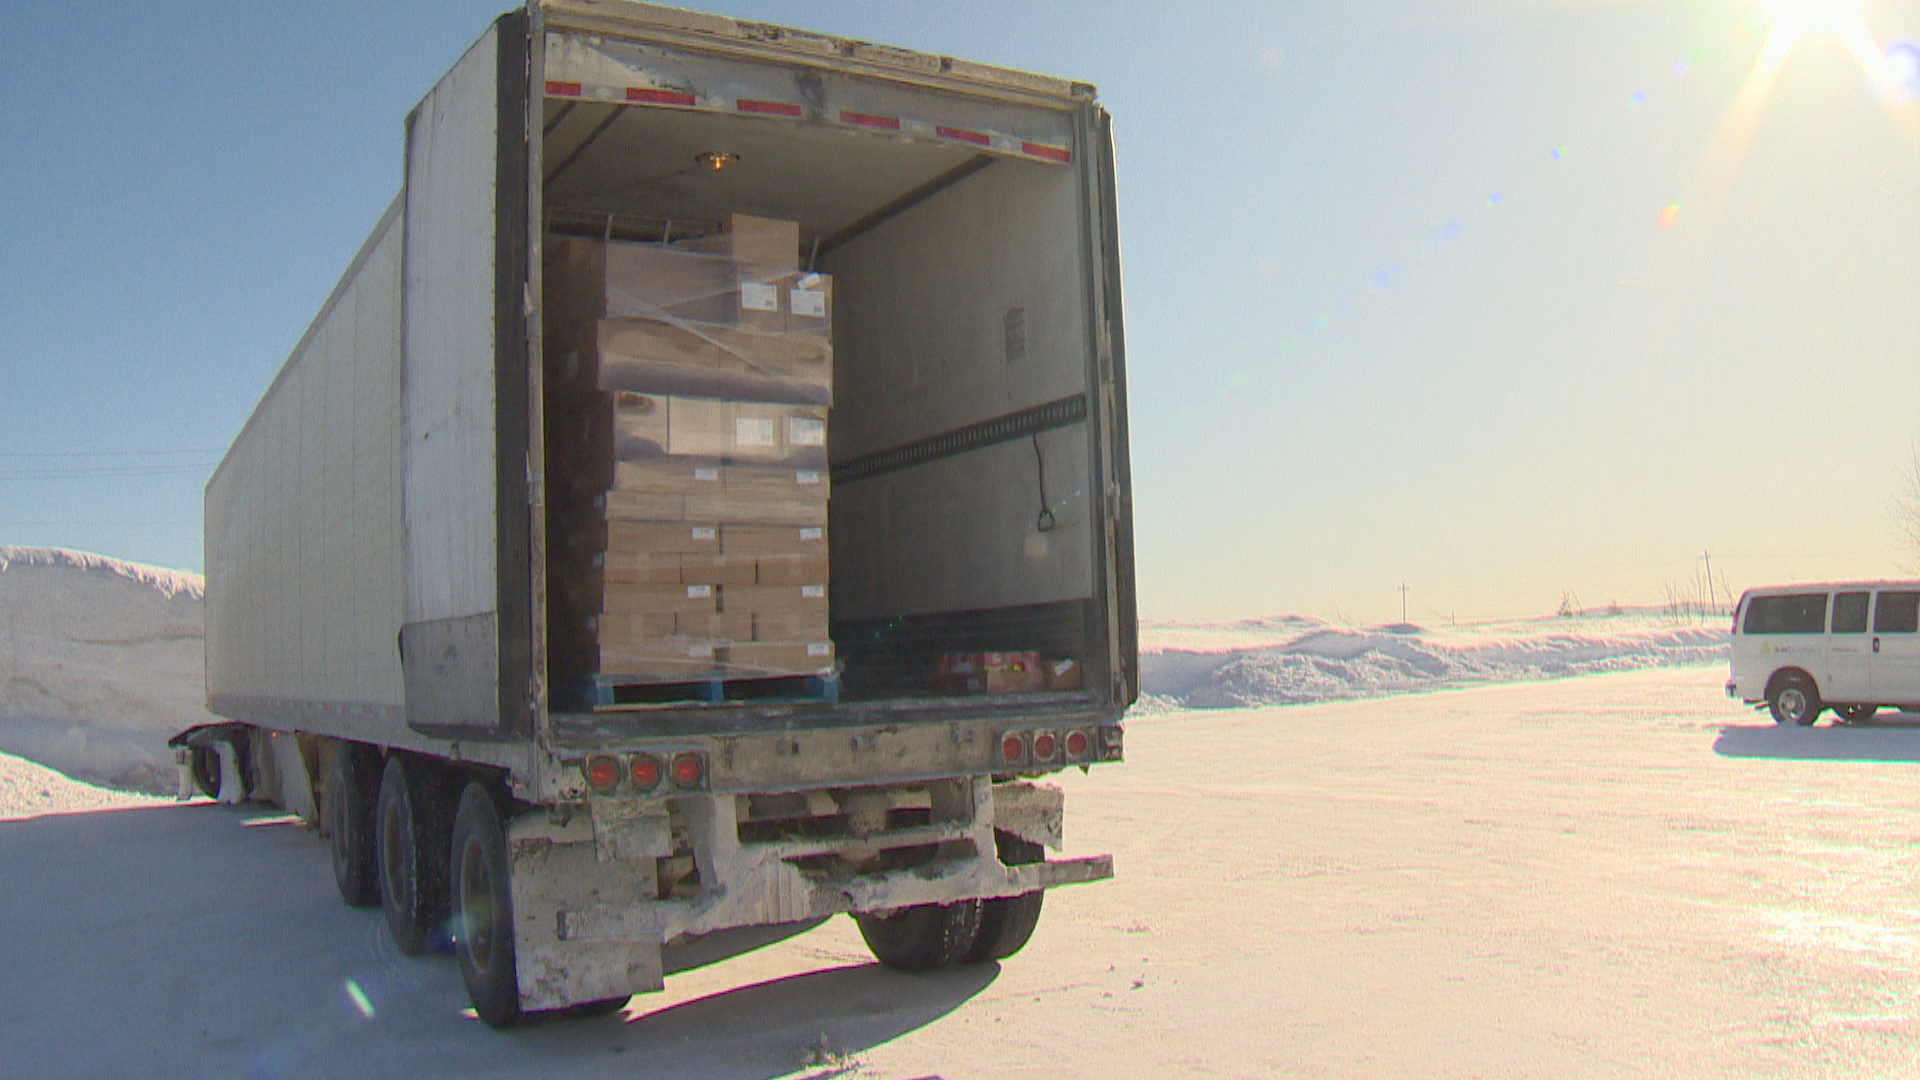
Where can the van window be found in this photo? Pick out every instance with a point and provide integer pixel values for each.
(1898, 613)
(1792, 613)
(1850, 612)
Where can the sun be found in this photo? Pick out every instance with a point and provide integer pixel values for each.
(1792, 21)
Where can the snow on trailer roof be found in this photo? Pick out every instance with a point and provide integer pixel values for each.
(700, 29)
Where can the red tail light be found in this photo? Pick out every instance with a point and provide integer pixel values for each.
(1044, 745)
(645, 771)
(603, 773)
(689, 770)
(1077, 745)
(1012, 749)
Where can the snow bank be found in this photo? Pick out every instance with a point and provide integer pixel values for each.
(100, 662)
(1292, 660)
(30, 790)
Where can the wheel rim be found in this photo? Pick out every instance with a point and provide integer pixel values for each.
(476, 905)
(1793, 703)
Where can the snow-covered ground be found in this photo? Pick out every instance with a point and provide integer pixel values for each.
(100, 662)
(1292, 660)
(1617, 876)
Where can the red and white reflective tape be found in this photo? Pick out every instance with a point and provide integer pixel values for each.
(647, 95)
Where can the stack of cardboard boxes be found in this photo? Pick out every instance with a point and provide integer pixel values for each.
(687, 390)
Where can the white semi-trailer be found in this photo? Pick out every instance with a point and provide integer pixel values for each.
(381, 559)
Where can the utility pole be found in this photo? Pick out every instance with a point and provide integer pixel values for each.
(1709, 561)
(1403, 602)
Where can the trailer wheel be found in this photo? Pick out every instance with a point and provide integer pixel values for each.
(413, 843)
(349, 804)
(924, 937)
(483, 909)
(1006, 924)
(205, 762)
(1856, 714)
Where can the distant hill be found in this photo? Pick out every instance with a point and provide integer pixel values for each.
(100, 662)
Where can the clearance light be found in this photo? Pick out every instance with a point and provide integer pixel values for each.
(1077, 745)
(645, 771)
(688, 770)
(603, 773)
(1044, 745)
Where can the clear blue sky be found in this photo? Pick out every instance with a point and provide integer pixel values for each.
(1407, 297)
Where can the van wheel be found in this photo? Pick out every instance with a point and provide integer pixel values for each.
(1856, 714)
(1793, 700)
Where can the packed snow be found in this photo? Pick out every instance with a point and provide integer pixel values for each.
(1293, 660)
(100, 663)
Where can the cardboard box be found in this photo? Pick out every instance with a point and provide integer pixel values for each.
(745, 431)
(675, 658)
(807, 658)
(799, 506)
(959, 674)
(770, 599)
(1013, 673)
(675, 476)
(773, 540)
(647, 506)
(789, 626)
(806, 569)
(704, 360)
(663, 538)
(718, 570)
(635, 628)
(758, 240)
(656, 599)
(1063, 674)
(720, 628)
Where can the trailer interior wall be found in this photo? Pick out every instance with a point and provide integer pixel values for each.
(303, 515)
(962, 299)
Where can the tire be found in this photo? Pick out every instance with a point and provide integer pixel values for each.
(587, 1010)
(1006, 924)
(412, 843)
(206, 769)
(1856, 714)
(483, 909)
(1792, 699)
(349, 808)
(925, 937)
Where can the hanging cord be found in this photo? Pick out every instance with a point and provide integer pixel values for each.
(1045, 521)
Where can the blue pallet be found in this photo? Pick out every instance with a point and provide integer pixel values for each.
(614, 691)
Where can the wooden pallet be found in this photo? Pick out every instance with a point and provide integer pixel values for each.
(615, 692)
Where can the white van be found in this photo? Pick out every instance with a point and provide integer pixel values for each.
(1851, 646)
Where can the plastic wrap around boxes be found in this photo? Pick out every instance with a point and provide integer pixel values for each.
(687, 457)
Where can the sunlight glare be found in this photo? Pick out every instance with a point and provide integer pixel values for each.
(1792, 21)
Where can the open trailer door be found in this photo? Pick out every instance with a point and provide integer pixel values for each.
(466, 641)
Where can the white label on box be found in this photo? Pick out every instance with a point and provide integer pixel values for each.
(813, 592)
(820, 648)
(806, 478)
(699, 592)
(706, 472)
(810, 303)
(705, 533)
(806, 431)
(810, 534)
(759, 296)
(753, 431)
(700, 652)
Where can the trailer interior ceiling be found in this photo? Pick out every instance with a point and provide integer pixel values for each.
(964, 513)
